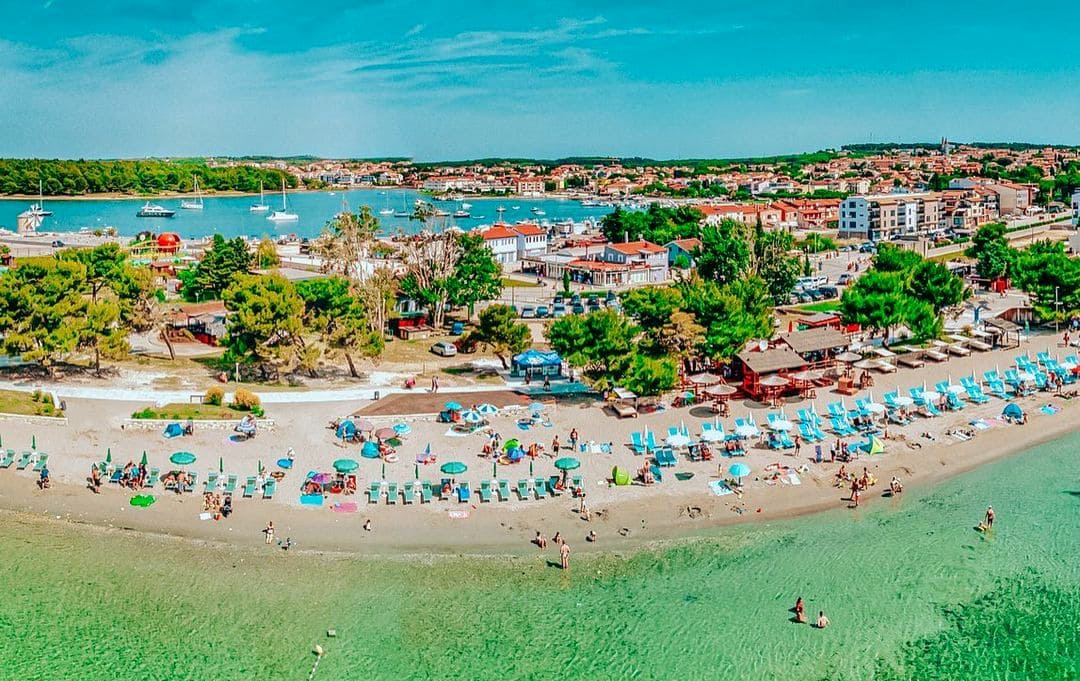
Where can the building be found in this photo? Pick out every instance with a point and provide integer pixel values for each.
(682, 248)
(529, 185)
(1013, 199)
(650, 260)
(882, 217)
(510, 244)
(1076, 208)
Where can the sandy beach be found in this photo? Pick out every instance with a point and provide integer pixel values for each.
(622, 517)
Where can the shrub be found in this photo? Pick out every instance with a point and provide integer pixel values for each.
(214, 396)
(36, 396)
(147, 413)
(245, 400)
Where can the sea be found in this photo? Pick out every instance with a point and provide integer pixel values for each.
(230, 216)
(912, 590)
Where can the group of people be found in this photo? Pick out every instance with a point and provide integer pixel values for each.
(220, 506)
(564, 549)
(132, 476)
(800, 614)
(177, 481)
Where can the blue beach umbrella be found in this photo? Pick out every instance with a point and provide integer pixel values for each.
(1013, 411)
(402, 428)
(488, 409)
(739, 470)
(452, 406)
(370, 450)
(471, 416)
(536, 407)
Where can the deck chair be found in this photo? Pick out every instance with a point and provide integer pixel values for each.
(24, 461)
(192, 483)
(807, 432)
(636, 444)
(485, 491)
(841, 428)
(152, 476)
(650, 441)
(408, 492)
(249, 487)
(523, 489)
(890, 400)
(577, 482)
(230, 483)
(1043, 357)
(8, 459)
(540, 487)
(211, 481)
(504, 490)
(42, 461)
(425, 492)
(391, 493)
(374, 491)
(269, 487)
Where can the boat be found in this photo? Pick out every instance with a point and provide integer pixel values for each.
(440, 213)
(515, 207)
(152, 210)
(283, 215)
(38, 209)
(387, 210)
(461, 214)
(536, 211)
(500, 209)
(466, 206)
(197, 204)
(261, 206)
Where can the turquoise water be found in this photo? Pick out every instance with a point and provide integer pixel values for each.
(912, 590)
(230, 215)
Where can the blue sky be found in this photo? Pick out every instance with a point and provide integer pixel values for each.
(448, 80)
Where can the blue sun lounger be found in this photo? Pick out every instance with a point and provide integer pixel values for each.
(485, 491)
(374, 491)
(540, 487)
(636, 444)
(391, 493)
(249, 487)
(841, 428)
(42, 461)
(523, 490)
(24, 461)
(8, 460)
(425, 492)
(269, 487)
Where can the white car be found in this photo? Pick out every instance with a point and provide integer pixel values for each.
(444, 349)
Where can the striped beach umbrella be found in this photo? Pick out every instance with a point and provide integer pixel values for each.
(488, 409)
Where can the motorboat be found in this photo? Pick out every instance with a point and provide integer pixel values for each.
(152, 210)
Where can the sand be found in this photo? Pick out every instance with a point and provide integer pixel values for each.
(623, 517)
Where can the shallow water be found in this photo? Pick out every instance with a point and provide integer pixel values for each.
(912, 590)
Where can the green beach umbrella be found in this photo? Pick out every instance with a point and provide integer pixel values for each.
(346, 465)
(567, 463)
(530, 467)
(260, 468)
(384, 470)
(221, 464)
(494, 469)
(33, 442)
(144, 457)
(108, 455)
(453, 468)
(182, 458)
(416, 471)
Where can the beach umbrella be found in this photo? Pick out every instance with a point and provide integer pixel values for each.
(452, 406)
(536, 407)
(416, 471)
(931, 395)
(108, 455)
(488, 409)
(679, 440)
(774, 381)
(453, 468)
(363, 425)
(346, 465)
(904, 400)
(746, 430)
(321, 478)
(875, 407)
(385, 433)
(530, 468)
(471, 416)
(370, 450)
(567, 463)
(705, 378)
(848, 357)
(782, 426)
(384, 470)
(259, 467)
(402, 428)
(33, 442)
(494, 469)
(712, 435)
(1026, 376)
(808, 375)
(721, 390)
(739, 470)
(221, 464)
(182, 458)
(143, 462)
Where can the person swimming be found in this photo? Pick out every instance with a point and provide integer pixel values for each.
(822, 620)
(800, 610)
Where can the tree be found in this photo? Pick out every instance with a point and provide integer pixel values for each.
(731, 315)
(99, 331)
(377, 292)
(681, 336)
(220, 266)
(651, 376)
(346, 241)
(993, 255)
(566, 282)
(42, 308)
(601, 342)
(477, 275)
(266, 255)
(500, 332)
(652, 306)
(725, 251)
(265, 324)
(934, 284)
(430, 264)
(340, 319)
(1052, 278)
(773, 263)
(881, 301)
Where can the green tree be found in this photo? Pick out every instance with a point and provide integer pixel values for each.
(731, 315)
(651, 376)
(600, 342)
(726, 251)
(993, 255)
(681, 336)
(501, 332)
(477, 275)
(265, 324)
(42, 309)
(934, 284)
(346, 242)
(652, 306)
(266, 255)
(1052, 278)
(331, 310)
(222, 263)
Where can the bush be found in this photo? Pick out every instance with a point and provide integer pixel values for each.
(214, 396)
(245, 400)
(36, 396)
(147, 413)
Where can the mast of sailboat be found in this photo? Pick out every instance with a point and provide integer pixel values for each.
(283, 206)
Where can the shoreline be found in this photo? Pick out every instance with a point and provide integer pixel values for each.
(424, 533)
(120, 196)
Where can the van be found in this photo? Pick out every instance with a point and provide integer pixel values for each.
(806, 283)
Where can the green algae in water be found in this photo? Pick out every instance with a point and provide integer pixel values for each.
(910, 589)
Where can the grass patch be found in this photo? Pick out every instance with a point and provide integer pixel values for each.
(518, 283)
(178, 411)
(36, 403)
(823, 306)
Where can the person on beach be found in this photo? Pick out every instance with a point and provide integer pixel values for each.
(573, 439)
(855, 493)
(822, 620)
(800, 610)
(989, 521)
(555, 446)
(564, 553)
(584, 511)
(95, 480)
(43, 479)
(540, 540)
(226, 506)
(591, 537)
(557, 539)
(895, 487)
(367, 525)
(269, 532)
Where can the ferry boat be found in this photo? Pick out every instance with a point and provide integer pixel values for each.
(152, 210)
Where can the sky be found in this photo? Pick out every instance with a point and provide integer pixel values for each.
(442, 80)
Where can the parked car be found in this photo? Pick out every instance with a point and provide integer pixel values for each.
(845, 279)
(829, 292)
(444, 349)
(542, 312)
(578, 309)
(868, 248)
(804, 298)
(575, 299)
(558, 299)
(528, 312)
(559, 310)
(57, 243)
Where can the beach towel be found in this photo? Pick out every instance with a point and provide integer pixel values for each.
(1047, 409)
(522, 425)
(457, 515)
(311, 500)
(206, 516)
(453, 433)
(793, 479)
(345, 507)
(720, 488)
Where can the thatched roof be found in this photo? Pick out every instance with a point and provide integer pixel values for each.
(771, 361)
(816, 340)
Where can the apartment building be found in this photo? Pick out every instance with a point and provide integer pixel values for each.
(1076, 208)
(882, 217)
(509, 244)
(969, 209)
(1013, 199)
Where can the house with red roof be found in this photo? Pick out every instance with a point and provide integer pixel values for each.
(682, 248)
(647, 262)
(511, 243)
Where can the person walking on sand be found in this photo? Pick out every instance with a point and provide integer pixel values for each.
(555, 446)
(564, 553)
(573, 439)
(822, 620)
(367, 525)
(269, 532)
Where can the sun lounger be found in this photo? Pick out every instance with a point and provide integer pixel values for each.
(152, 476)
(523, 489)
(374, 492)
(464, 492)
(1042, 357)
(504, 490)
(211, 481)
(975, 394)
(910, 360)
(665, 457)
(391, 493)
(959, 350)
(841, 428)
(42, 461)
(269, 487)
(485, 491)
(408, 492)
(192, 483)
(785, 440)
(577, 482)
(540, 486)
(807, 432)
(650, 441)
(935, 355)
(862, 407)
(636, 444)
(249, 487)
(672, 431)
(230, 483)
(979, 345)
(24, 461)
(8, 460)
(425, 492)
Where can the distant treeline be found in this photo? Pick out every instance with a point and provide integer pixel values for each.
(637, 161)
(150, 176)
(894, 146)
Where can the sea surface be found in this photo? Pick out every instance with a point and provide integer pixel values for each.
(913, 592)
(230, 215)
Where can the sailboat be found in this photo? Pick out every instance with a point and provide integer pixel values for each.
(404, 212)
(197, 204)
(283, 215)
(387, 210)
(38, 209)
(261, 206)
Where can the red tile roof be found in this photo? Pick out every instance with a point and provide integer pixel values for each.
(635, 247)
(687, 244)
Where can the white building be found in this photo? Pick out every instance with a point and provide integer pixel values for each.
(881, 217)
(509, 244)
(1076, 208)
